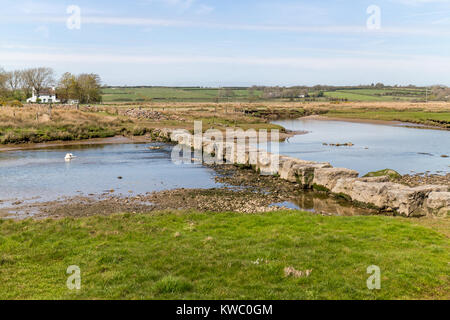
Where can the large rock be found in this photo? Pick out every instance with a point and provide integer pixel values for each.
(287, 171)
(410, 201)
(295, 170)
(328, 177)
(373, 193)
(268, 163)
(305, 173)
(438, 203)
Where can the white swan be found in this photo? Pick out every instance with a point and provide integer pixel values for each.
(69, 157)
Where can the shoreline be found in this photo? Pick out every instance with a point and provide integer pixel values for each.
(59, 143)
(111, 140)
(393, 123)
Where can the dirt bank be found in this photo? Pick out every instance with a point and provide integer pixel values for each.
(95, 141)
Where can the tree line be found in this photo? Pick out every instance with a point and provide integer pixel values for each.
(19, 84)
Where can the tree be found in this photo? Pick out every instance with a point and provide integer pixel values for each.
(14, 80)
(3, 85)
(38, 79)
(89, 88)
(14, 83)
(67, 87)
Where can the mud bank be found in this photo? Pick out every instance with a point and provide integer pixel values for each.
(378, 192)
(94, 141)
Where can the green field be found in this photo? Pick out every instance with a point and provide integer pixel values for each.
(189, 255)
(172, 94)
(147, 94)
(389, 94)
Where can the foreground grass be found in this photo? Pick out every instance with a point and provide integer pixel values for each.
(441, 119)
(219, 256)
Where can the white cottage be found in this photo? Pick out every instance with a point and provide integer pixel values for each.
(45, 96)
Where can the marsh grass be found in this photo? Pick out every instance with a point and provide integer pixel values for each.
(418, 116)
(34, 124)
(24, 125)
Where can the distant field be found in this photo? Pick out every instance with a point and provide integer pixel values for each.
(172, 94)
(194, 94)
(389, 94)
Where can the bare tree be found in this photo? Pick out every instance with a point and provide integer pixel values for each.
(14, 80)
(3, 79)
(38, 78)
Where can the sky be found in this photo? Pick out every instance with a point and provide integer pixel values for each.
(232, 43)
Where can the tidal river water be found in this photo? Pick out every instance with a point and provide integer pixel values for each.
(40, 175)
(43, 175)
(376, 146)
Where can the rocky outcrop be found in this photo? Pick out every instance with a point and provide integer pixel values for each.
(376, 192)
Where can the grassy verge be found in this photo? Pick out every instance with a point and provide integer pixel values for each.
(218, 256)
(441, 119)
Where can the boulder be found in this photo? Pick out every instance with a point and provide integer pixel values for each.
(295, 170)
(328, 177)
(268, 163)
(411, 201)
(286, 170)
(373, 193)
(438, 203)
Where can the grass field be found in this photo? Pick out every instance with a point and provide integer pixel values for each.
(189, 255)
(155, 94)
(397, 94)
(170, 94)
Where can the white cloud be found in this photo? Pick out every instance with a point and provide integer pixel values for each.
(437, 63)
(420, 2)
(43, 31)
(204, 9)
(181, 4)
(148, 22)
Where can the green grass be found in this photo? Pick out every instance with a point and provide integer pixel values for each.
(389, 94)
(414, 116)
(213, 256)
(170, 94)
(242, 94)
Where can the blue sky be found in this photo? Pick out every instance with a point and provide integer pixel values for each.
(227, 42)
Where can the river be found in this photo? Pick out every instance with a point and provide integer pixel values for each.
(376, 146)
(43, 175)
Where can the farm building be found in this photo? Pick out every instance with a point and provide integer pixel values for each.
(44, 96)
